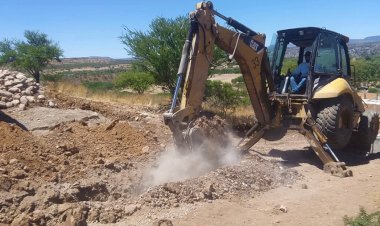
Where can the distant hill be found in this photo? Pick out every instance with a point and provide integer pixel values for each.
(369, 39)
(93, 59)
(373, 38)
(364, 47)
(357, 48)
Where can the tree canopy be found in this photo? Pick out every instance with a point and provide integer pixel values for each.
(32, 55)
(159, 49)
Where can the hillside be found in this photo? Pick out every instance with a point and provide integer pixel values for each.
(93, 59)
(90, 63)
(356, 47)
(364, 49)
(366, 39)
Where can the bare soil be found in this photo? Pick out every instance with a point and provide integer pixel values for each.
(316, 199)
(224, 77)
(93, 163)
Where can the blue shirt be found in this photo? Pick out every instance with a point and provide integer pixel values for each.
(302, 69)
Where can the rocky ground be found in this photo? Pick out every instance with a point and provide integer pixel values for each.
(82, 162)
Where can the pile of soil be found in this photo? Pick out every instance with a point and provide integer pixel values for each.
(21, 152)
(72, 164)
(251, 176)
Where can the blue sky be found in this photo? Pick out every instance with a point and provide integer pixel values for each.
(92, 27)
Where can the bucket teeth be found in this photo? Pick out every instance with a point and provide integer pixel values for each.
(337, 169)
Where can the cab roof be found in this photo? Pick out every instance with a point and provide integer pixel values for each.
(305, 36)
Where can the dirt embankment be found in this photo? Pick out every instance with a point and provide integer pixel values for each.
(72, 164)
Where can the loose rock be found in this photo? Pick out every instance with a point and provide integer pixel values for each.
(283, 209)
(18, 174)
(13, 161)
(131, 209)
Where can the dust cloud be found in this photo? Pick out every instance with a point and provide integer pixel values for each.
(175, 165)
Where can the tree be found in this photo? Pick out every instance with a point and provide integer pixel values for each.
(159, 49)
(32, 55)
(7, 52)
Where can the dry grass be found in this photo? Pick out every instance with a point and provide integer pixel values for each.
(244, 111)
(241, 111)
(80, 91)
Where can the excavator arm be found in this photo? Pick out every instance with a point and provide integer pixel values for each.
(247, 47)
(244, 45)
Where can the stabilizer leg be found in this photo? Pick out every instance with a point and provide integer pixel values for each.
(318, 142)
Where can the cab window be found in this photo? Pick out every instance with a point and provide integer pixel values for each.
(344, 63)
(326, 60)
(279, 55)
(271, 49)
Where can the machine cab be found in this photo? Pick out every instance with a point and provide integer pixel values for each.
(329, 59)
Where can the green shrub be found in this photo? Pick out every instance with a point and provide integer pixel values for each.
(289, 64)
(98, 86)
(363, 219)
(52, 77)
(372, 90)
(238, 80)
(136, 80)
(225, 71)
(222, 96)
(84, 75)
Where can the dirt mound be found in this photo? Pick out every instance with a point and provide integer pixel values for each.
(11, 134)
(251, 176)
(21, 153)
(65, 168)
(105, 139)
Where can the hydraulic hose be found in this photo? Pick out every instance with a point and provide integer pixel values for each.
(184, 60)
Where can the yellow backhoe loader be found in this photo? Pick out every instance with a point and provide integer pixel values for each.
(326, 110)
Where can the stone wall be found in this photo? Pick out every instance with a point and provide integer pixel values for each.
(18, 90)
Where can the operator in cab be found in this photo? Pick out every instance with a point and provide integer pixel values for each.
(299, 76)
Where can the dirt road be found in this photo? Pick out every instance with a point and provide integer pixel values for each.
(317, 199)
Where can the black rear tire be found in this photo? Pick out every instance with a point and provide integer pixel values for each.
(335, 119)
(368, 128)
